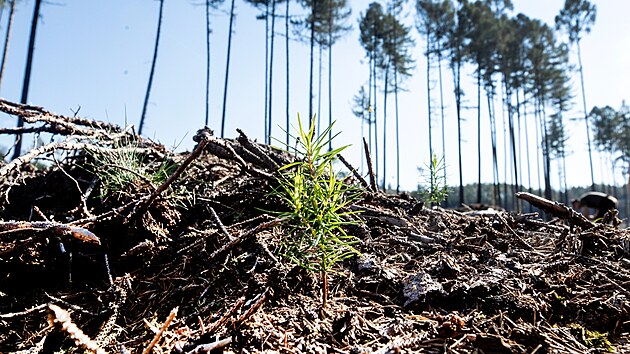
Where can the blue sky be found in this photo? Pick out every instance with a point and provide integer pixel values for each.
(97, 54)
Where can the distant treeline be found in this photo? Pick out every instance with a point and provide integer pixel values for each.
(506, 199)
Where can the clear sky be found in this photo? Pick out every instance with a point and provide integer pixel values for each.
(97, 54)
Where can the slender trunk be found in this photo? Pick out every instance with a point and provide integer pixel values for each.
(546, 151)
(505, 150)
(319, 91)
(265, 123)
(376, 173)
(27, 75)
(330, 44)
(458, 106)
(227, 67)
(515, 188)
(478, 135)
(520, 147)
(383, 185)
(493, 139)
(370, 108)
(397, 132)
(588, 130)
(5, 50)
(539, 142)
(286, 44)
(152, 72)
(310, 88)
(431, 182)
(529, 166)
(273, 29)
(445, 202)
(207, 61)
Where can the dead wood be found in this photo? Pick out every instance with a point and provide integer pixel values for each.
(557, 209)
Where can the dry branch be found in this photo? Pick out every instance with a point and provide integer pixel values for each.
(159, 334)
(60, 319)
(557, 209)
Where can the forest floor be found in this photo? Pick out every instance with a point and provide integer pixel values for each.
(111, 243)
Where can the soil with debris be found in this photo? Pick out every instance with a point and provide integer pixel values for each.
(190, 263)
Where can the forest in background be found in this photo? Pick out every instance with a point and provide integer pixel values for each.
(521, 66)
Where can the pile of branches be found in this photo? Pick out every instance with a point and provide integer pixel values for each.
(183, 257)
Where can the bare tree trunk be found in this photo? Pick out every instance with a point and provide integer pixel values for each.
(207, 62)
(478, 135)
(265, 123)
(383, 185)
(152, 72)
(286, 42)
(273, 28)
(397, 132)
(27, 76)
(330, 44)
(588, 130)
(5, 50)
(445, 202)
(227, 68)
(310, 86)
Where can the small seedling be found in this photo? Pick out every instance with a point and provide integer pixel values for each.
(438, 190)
(317, 200)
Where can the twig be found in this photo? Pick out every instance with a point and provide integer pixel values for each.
(229, 313)
(261, 298)
(159, 334)
(60, 319)
(196, 152)
(368, 159)
(353, 170)
(220, 224)
(256, 150)
(25, 312)
(518, 238)
(84, 207)
(556, 209)
(207, 348)
(240, 238)
(79, 233)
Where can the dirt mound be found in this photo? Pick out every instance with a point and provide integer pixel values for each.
(110, 243)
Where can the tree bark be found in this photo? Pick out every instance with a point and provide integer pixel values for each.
(27, 76)
(5, 50)
(152, 72)
(227, 67)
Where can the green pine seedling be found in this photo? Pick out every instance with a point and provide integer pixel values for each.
(317, 201)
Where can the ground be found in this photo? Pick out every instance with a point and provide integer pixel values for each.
(110, 243)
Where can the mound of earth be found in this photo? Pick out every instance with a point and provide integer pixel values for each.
(111, 243)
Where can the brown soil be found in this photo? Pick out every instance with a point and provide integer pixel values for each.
(191, 264)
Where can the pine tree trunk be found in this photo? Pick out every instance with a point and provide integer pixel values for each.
(383, 185)
(27, 76)
(445, 202)
(458, 108)
(428, 54)
(310, 89)
(273, 29)
(266, 117)
(588, 130)
(330, 44)
(286, 42)
(478, 135)
(319, 90)
(397, 132)
(207, 121)
(5, 50)
(227, 67)
(152, 72)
